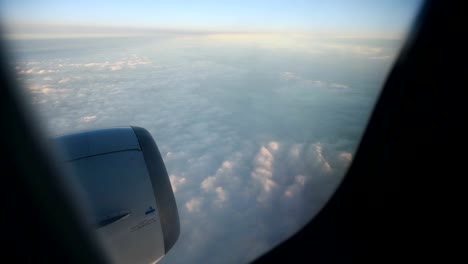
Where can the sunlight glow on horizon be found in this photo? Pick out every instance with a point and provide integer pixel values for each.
(52, 31)
(365, 18)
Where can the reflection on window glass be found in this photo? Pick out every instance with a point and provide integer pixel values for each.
(257, 106)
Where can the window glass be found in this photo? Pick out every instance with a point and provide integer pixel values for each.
(257, 106)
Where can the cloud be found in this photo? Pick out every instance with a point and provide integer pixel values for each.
(293, 189)
(227, 165)
(92, 64)
(273, 146)
(316, 83)
(135, 63)
(64, 80)
(46, 90)
(339, 85)
(364, 51)
(212, 184)
(208, 183)
(33, 70)
(238, 154)
(29, 71)
(383, 57)
(194, 205)
(263, 173)
(295, 151)
(347, 156)
(321, 159)
(221, 194)
(115, 67)
(87, 119)
(287, 76)
(290, 76)
(177, 181)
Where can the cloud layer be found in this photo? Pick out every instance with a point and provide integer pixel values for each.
(255, 137)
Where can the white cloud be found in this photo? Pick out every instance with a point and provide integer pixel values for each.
(295, 151)
(43, 89)
(263, 173)
(311, 83)
(208, 183)
(346, 156)
(227, 165)
(366, 50)
(64, 80)
(26, 71)
(116, 67)
(200, 149)
(221, 194)
(194, 204)
(383, 57)
(222, 175)
(316, 83)
(34, 70)
(87, 119)
(293, 189)
(325, 165)
(92, 64)
(134, 63)
(287, 76)
(35, 87)
(300, 179)
(289, 192)
(264, 158)
(273, 146)
(176, 182)
(356, 50)
(339, 85)
(46, 90)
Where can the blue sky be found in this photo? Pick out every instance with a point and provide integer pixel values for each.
(360, 16)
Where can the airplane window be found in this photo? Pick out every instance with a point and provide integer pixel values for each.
(257, 107)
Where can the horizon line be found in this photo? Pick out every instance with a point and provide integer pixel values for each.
(49, 30)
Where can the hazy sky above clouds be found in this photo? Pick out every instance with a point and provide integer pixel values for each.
(257, 107)
(369, 17)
